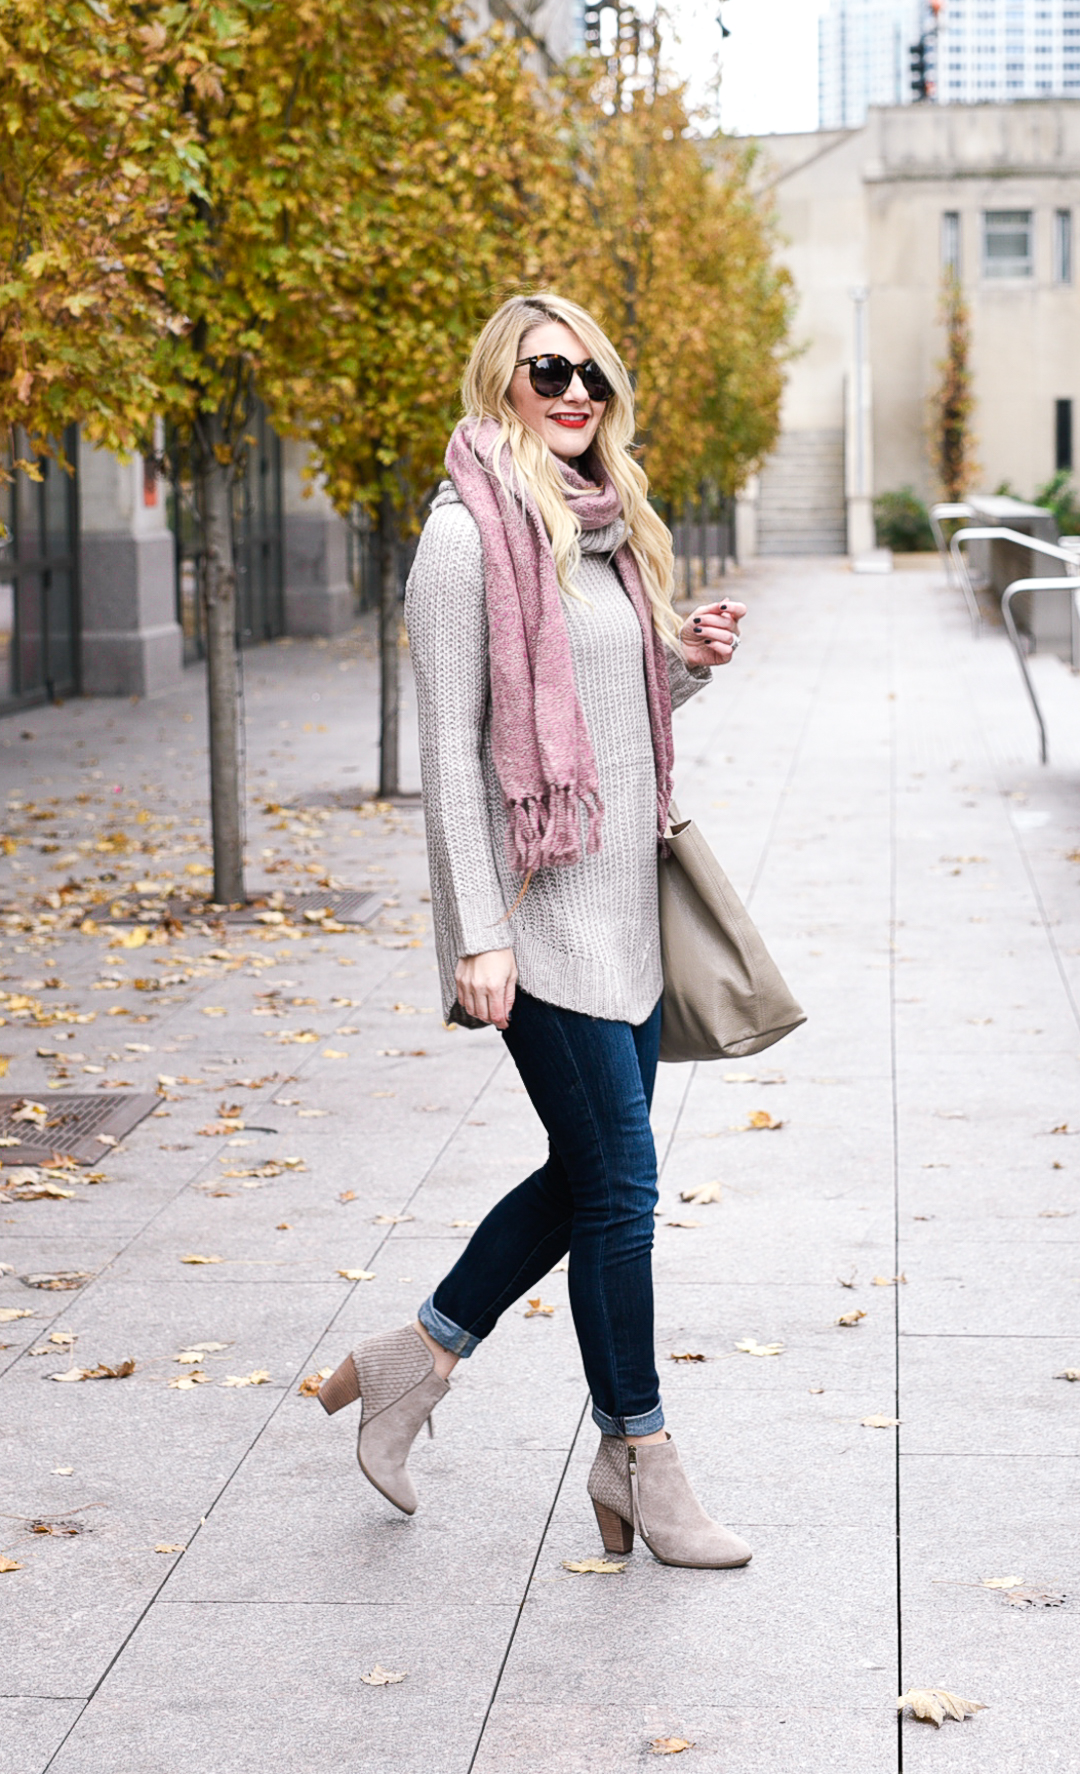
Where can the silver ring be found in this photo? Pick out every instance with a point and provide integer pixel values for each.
(734, 642)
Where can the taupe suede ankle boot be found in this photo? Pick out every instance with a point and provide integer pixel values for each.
(646, 1488)
(394, 1376)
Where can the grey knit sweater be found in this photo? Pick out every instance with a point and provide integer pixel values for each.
(587, 936)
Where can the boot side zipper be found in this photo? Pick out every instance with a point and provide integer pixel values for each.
(635, 1498)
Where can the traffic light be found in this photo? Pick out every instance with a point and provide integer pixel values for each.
(920, 83)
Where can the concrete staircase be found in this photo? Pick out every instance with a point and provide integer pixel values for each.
(801, 507)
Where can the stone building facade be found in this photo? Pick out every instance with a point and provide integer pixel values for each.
(869, 219)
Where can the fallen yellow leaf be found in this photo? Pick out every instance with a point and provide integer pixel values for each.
(380, 1677)
(357, 1274)
(102, 1372)
(937, 1704)
(8, 1314)
(602, 1567)
(185, 1382)
(131, 939)
(881, 1422)
(213, 1010)
(850, 1317)
(310, 1385)
(258, 1377)
(760, 1118)
(333, 1053)
(196, 1259)
(701, 1197)
(1067, 1373)
(889, 1280)
(1002, 1582)
(537, 1309)
(670, 1746)
(195, 1354)
(10, 1564)
(5, 1061)
(684, 1225)
(748, 1347)
(164, 1546)
(688, 1356)
(31, 1111)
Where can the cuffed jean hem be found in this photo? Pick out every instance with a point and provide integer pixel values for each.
(446, 1333)
(624, 1426)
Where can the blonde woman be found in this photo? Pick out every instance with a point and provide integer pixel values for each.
(548, 658)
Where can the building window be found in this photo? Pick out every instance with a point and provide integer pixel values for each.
(1063, 269)
(950, 241)
(1063, 442)
(1007, 243)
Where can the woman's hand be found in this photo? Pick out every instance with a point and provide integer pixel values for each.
(486, 985)
(710, 633)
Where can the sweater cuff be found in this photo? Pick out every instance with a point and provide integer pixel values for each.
(482, 924)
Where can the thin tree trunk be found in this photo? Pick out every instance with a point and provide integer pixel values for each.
(213, 496)
(389, 625)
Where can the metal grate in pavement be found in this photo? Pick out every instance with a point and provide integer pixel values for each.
(73, 1125)
(351, 906)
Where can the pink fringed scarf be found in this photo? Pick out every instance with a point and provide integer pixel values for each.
(543, 754)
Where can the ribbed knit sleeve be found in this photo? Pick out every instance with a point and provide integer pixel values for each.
(684, 680)
(446, 617)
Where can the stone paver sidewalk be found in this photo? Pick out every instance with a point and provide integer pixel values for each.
(867, 773)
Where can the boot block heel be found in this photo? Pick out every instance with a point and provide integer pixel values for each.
(342, 1388)
(617, 1535)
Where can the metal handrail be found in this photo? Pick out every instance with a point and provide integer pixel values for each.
(938, 513)
(996, 533)
(1062, 583)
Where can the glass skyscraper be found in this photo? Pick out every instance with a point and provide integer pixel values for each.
(1008, 49)
(982, 50)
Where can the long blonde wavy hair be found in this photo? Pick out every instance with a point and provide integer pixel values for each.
(486, 395)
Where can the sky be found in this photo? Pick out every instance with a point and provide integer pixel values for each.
(768, 65)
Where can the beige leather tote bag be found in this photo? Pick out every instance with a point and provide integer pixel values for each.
(723, 992)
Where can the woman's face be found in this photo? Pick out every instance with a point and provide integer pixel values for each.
(568, 423)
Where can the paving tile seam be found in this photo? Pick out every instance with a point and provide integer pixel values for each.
(164, 1208)
(894, 817)
(223, 1488)
(986, 1454)
(262, 1601)
(525, 1592)
(989, 1336)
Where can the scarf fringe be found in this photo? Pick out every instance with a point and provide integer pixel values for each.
(544, 831)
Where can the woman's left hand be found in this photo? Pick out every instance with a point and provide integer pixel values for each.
(710, 633)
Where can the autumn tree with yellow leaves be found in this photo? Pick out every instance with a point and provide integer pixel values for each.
(316, 203)
(94, 172)
(305, 202)
(471, 178)
(677, 260)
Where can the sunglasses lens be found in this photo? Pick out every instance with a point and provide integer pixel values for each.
(551, 376)
(595, 383)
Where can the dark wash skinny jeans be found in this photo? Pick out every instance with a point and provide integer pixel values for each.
(591, 1083)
